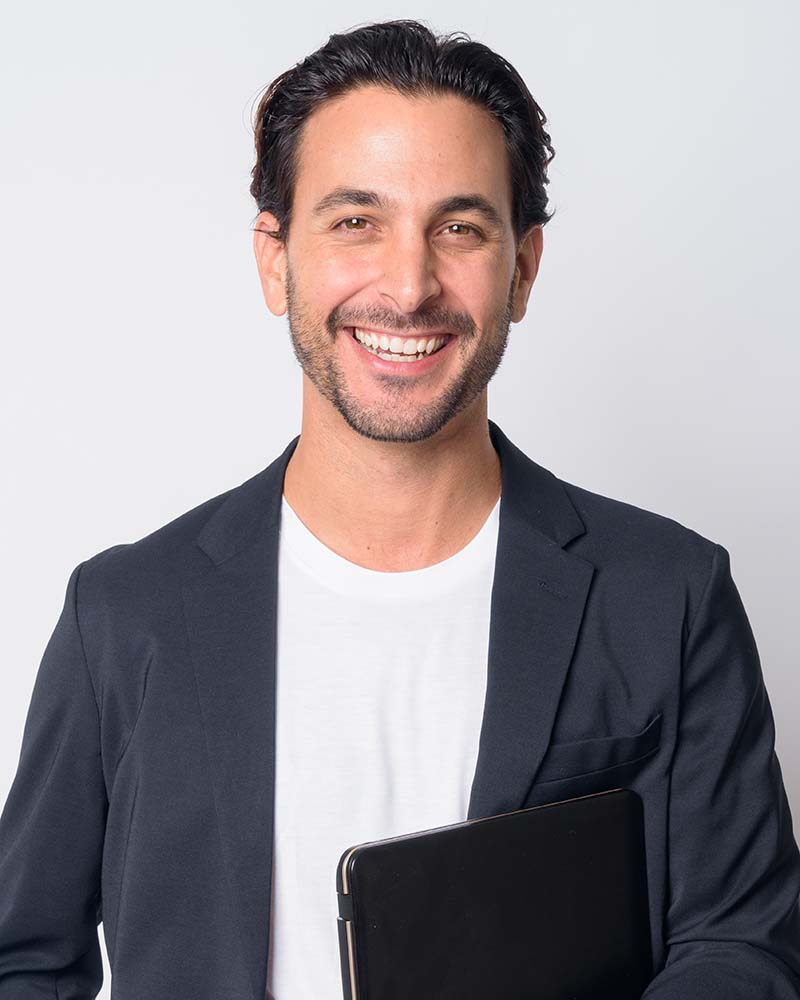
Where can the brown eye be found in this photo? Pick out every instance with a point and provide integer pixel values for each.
(353, 218)
(463, 225)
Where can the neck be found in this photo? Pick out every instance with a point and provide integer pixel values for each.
(391, 506)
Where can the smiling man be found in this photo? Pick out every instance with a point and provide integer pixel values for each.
(401, 274)
(403, 621)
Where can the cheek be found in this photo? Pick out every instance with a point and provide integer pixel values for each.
(336, 278)
(476, 281)
(480, 294)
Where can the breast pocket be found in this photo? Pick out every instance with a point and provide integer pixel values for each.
(585, 766)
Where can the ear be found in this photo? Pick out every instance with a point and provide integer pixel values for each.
(271, 262)
(529, 253)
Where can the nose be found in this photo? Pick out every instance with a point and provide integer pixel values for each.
(409, 276)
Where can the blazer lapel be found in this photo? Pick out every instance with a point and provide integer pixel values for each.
(231, 616)
(538, 596)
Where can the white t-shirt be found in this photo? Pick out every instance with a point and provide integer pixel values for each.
(381, 680)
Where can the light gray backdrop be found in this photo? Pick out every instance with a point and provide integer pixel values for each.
(658, 362)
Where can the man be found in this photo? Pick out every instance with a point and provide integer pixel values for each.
(403, 621)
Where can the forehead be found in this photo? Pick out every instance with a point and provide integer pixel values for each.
(410, 148)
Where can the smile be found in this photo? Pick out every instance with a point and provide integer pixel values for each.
(399, 349)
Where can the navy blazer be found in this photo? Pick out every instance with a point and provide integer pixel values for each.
(620, 655)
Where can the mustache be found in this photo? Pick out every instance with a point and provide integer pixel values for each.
(390, 321)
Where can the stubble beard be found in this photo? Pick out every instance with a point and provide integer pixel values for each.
(313, 347)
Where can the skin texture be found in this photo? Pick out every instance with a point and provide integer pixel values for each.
(397, 472)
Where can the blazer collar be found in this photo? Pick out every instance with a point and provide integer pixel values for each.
(538, 597)
(531, 495)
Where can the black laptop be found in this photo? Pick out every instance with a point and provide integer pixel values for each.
(546, 903)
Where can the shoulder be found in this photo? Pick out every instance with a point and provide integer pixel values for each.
(646, 547)
(147, 573)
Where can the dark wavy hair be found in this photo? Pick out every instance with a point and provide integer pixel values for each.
(407, 57)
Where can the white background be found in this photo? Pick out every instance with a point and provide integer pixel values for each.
(143, 374)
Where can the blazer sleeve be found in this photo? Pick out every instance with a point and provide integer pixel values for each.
(732, 925)
(51, 831)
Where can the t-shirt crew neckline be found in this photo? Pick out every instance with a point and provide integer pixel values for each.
(338, 573)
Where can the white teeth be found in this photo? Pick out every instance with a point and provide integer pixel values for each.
(409, 349)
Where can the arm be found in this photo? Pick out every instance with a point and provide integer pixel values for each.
(733, 924)
(51, 831)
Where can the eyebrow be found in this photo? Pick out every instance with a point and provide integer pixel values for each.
(372, 199)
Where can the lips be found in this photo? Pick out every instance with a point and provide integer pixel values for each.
(399, 364)
(443, 337)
